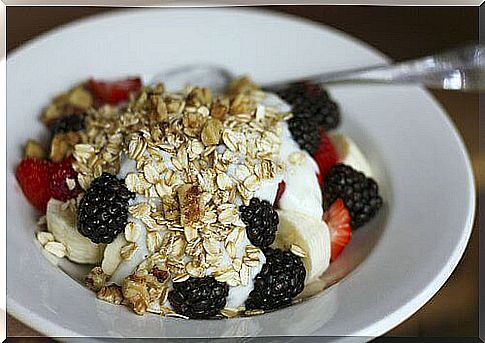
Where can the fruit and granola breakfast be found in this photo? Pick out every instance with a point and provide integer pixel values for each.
(194, 204)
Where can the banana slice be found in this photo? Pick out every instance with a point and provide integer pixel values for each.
(350, 154)
(112, 256)
(297, 230)
(126, 267)
(62, 224)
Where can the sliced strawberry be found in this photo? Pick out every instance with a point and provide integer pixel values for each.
(58, 186)
(34, 177)
(337, 218)
(279, 192)
(326, 156)
(114, 92)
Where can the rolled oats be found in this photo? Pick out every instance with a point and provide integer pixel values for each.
(45, 237)
(56, 248)
(298, 251)
(128, 251)
(132, 232)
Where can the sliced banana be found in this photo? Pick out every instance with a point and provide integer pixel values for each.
(350, 154)
(306, 236)
(126, 267)
(62, 224)
(112, 256)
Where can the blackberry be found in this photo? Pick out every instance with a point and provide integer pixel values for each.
(261, 221)
(359, 193)
(69, 123)
(280, 280)
(103, 211)
(311, 102)
(199, 297)
(305, 134)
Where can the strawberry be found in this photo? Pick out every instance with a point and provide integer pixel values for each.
(114, 92)
(320, 178)
(325, 156)
(34, 177)
(58, 186)
(337, 218)
(279, 192)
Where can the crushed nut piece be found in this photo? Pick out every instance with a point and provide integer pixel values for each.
(59, 148)
(34, 149)
(191, 205)
(111, 294)
(211, 133)
(96, 279)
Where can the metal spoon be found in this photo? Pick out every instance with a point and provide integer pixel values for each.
(458, 69)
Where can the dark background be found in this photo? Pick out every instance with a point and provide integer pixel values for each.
(401, 33)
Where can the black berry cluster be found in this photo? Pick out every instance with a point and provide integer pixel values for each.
(281, 279)
(103, 211)
(261, 221)
(313, 111)
(199, 297)
(359, 193)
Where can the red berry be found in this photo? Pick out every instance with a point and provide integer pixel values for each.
(337, 218)
(58, 186)
(325, 156)
(114, 92)
(34, 176)
(279, 192)
(320, 178)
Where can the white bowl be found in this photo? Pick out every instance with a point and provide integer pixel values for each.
(392, 266)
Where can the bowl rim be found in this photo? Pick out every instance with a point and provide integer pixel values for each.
(378, 328)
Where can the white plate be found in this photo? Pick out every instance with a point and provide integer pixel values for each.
(397, 262)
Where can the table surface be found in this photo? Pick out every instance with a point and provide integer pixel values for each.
(401, 33)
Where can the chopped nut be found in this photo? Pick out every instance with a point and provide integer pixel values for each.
(34, 149)
(161, 275)
(212, 131)
(96, 279)
(191, 205)
(50, 114)
(59, 148)
(136, 294)
(81, 98)
(111, 294)
(219, 110)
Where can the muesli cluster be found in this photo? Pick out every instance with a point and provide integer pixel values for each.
(194, 204)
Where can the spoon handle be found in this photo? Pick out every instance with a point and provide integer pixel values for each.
(458, 69)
